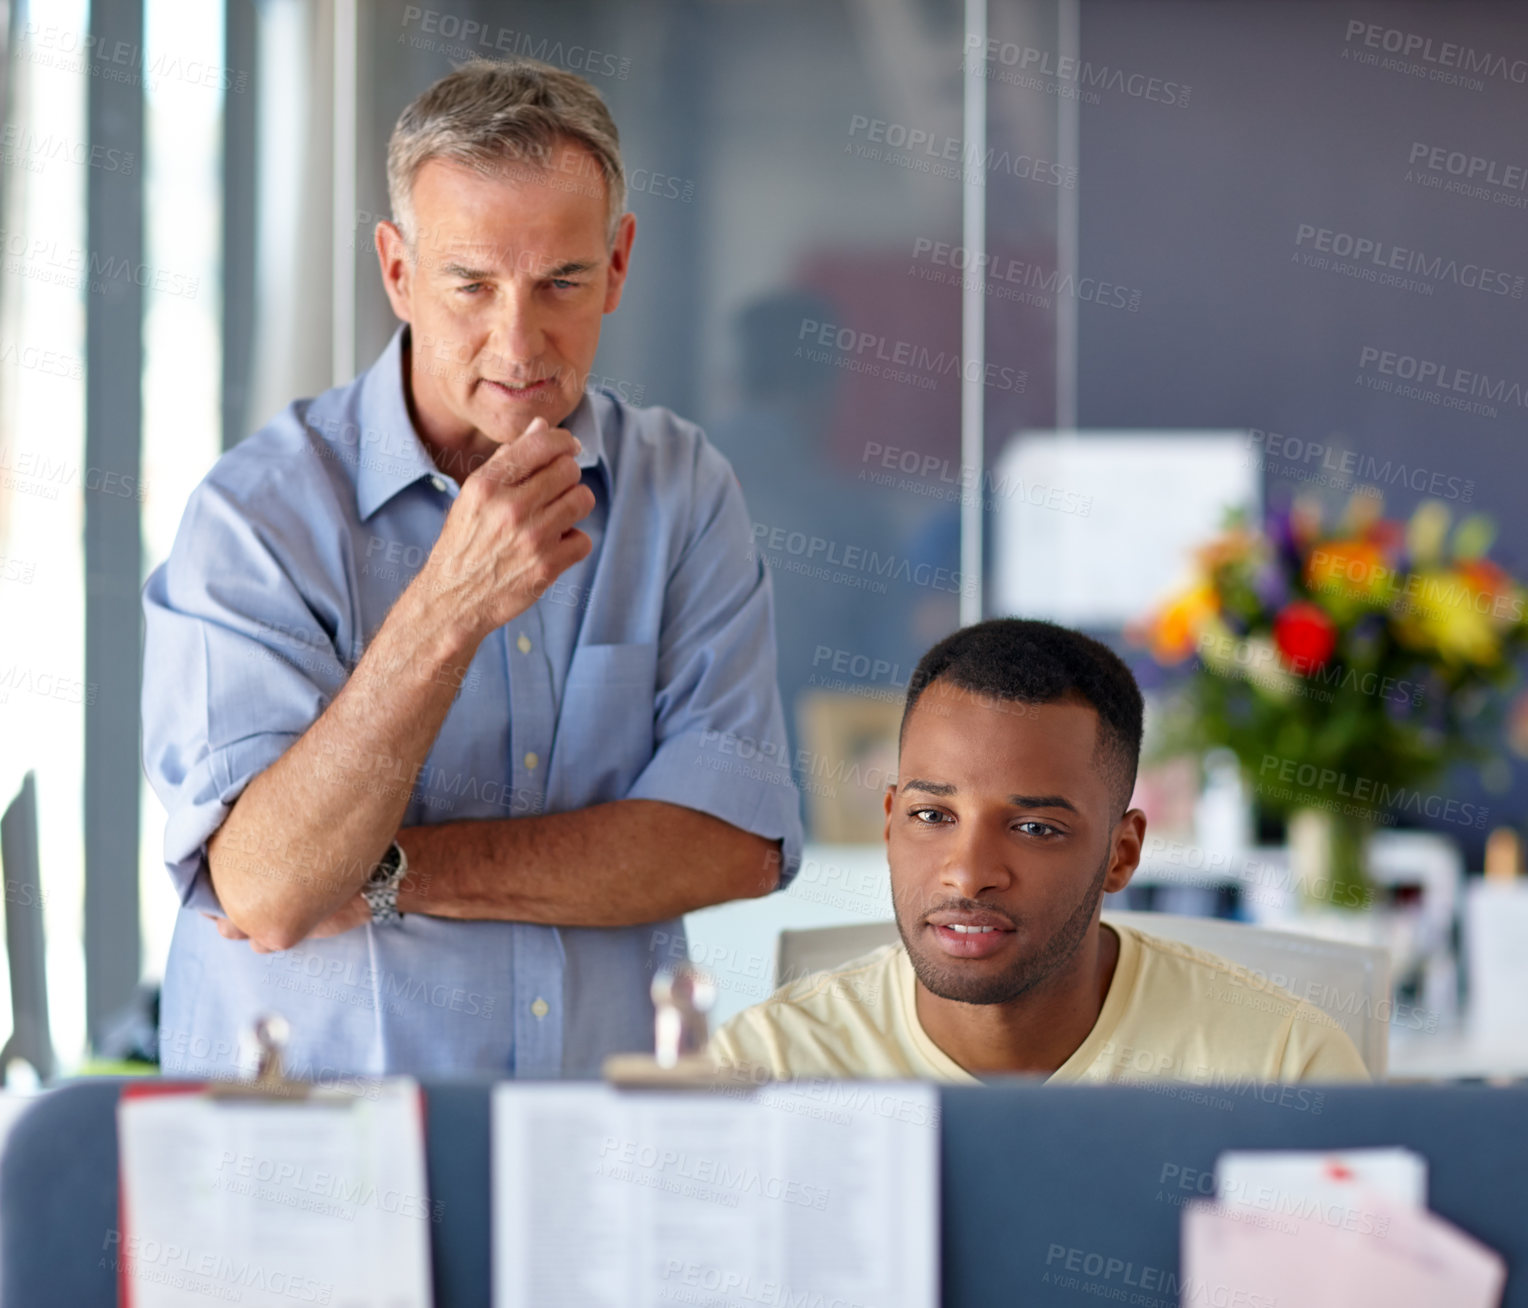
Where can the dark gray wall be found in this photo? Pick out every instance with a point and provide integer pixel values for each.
(1202, 207)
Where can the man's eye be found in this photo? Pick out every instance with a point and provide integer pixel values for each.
(563, 284)
(471, 288)
(927, 816)
(1042, 828)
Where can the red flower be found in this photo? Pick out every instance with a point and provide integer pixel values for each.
(1305, 636)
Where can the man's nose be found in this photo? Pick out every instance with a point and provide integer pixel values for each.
(978, 861)
(517, 332)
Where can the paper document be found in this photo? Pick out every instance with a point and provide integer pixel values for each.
(790, 1194)
(268, 1202)
(1093, 528)
(1302, 1181)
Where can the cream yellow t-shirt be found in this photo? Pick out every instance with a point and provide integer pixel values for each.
(1172, 1013)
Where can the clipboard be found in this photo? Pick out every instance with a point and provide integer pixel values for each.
(691, 1072)
(682, 999)
(661, 1199)
(270, 1088)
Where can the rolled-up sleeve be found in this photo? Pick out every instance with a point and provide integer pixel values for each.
(719, 729)
(240, 658)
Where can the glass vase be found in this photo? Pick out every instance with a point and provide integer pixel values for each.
(1328, 857)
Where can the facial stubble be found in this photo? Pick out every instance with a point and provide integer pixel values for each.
(967, 987)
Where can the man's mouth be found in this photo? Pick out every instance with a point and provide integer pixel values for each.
(515, 392)
(971, 935)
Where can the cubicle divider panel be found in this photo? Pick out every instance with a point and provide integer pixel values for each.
(1073, 1195)
(1065, 1195)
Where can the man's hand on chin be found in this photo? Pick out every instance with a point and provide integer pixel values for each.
(355, 913)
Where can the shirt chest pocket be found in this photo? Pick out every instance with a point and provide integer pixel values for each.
(605, 723)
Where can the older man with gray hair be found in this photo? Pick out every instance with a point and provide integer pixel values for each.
(451, 670)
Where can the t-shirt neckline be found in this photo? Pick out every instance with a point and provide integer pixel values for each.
(1121, 987)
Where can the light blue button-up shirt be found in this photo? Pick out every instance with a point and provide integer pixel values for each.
(646, 672)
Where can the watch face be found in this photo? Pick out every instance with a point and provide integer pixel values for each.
(383, 872)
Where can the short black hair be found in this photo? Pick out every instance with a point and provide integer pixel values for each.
(1022, 661)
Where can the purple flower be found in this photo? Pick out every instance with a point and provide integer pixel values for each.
(1271, 586)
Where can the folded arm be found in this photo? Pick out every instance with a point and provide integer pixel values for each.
(615, 864)
(610, 865)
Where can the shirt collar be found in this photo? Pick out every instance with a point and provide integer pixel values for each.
(392, 457)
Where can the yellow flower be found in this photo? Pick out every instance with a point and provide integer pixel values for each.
(1426, 533)
(1473, 537)
(1458, 612)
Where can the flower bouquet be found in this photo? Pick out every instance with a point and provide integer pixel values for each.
(1346, 665)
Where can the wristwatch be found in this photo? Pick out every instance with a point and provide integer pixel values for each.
(381, 888)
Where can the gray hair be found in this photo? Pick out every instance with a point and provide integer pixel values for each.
(493, 115)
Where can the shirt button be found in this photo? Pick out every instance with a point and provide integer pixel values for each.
(523, 644)
(438, 483)
(541, 1008)
(530, 762)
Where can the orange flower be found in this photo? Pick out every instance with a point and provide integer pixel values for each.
(1173, 633)
(1350, 569)
(1485, 577)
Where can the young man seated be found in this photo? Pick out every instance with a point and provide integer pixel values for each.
(1008, 822)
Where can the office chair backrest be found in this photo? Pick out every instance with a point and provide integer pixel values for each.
(1351, 983)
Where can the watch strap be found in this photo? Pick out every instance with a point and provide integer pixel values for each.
(381, 889)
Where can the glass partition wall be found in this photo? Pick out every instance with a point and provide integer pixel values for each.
(877, 240)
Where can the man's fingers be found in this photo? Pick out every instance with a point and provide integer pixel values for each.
(552, 481)
(573, 505)
(517, 460)
(574, 547)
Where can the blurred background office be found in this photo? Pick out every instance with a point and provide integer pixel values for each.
(996, 307)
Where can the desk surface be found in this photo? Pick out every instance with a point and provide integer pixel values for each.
(1035, 1179)
(1456, 1054)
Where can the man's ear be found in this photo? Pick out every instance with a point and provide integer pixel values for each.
(397, 269)
(891, 796)
(1125, 856)
(620, 260)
